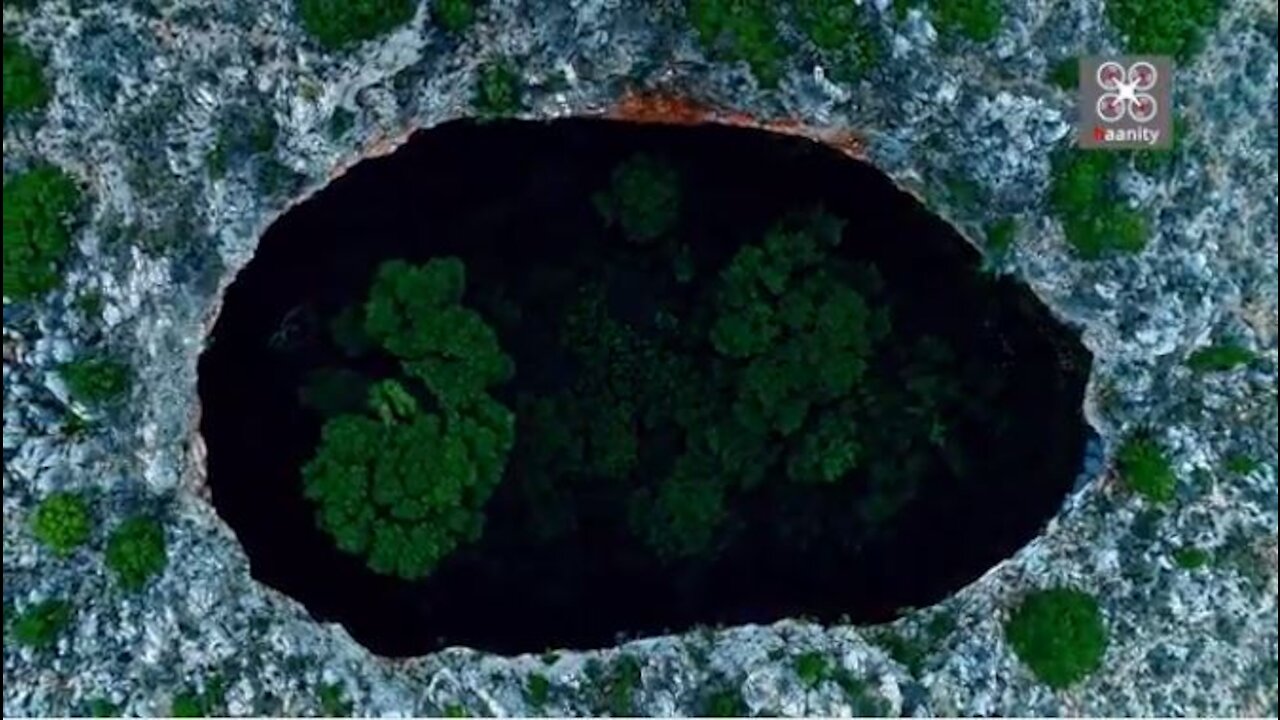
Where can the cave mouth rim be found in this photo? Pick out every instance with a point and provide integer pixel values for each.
(232, 279)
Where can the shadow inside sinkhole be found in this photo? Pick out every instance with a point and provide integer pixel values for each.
(514, 201)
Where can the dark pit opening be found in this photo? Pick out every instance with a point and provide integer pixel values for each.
(514, 201)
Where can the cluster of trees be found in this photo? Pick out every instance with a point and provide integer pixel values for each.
(778, 376)
(780, 372)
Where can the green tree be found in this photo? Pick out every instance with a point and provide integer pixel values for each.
(454, 15)
(24, 84)
(1163, 27)
(96, 379)
(39, 206)
(62, 523)
(136, 552)
(1059, 633)
(1094, 219)
(404, 483)
(643, 198)
(39, 625)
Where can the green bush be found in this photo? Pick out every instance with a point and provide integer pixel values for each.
(338, 24)
(1059, 634)
(24, 83)
(101, 707)
(333, 702)
(1094, 220)
(39, 626)
(497, 93)
(537, 689)
(1145, 469)
(843, 33)
(454, 15)
(39, 206)
(1163, 27)
(62, 522)
(977, 20)
(726, 703)
(1066, 73)
(96, 380)
(643, 198)
(743, 30)
(1190, 557)
(747, 30)
(1222, 357)
(136, 552)
(1000, 236)
(404, 483)
(193, 702)
(812, 668)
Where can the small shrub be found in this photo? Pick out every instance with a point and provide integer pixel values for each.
(101, 707)
(1190, 557)
(454, 15)
(1240, 464)
(1145, 469)
(743, 30)
(333, 703)
(1163, 27)
(24, 83)
(96, 380)
(61, 522)
(1066, 73)
(340, 123)
(1094, 220)
(618, 686)
(977, 20)
(38, 207)
(1222, 357)
(89, 304)
(1000, 236)
(39, 626)
(725, 702)
(863, 700)
(812, 668)
(497, 91)
(843, 34)
(136, 552)
(537, 690)
(191, 702)
(338, 24)
(187, 704)
(643, 198)
(1059, 634)
(454, 710)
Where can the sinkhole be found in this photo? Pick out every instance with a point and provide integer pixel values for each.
(657, 377)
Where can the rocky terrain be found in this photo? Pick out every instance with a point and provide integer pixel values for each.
(143, 97)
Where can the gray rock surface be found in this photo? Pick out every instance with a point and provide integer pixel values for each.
(141, 91)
